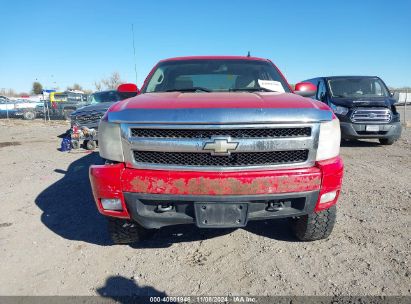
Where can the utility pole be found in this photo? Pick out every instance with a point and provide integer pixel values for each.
(44, 108)
(3, 91)
(405, 107)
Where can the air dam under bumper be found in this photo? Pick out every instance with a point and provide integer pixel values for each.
(214, 199)
(358, 131)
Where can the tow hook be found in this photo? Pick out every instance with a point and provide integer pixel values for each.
(275, 206)
(164, 208)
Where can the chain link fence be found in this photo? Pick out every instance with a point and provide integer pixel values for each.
(404, 96)
(403, 105)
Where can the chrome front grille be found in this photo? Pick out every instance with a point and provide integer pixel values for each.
(88, 118)
(220, 147)
(371, 115)
(235, 133)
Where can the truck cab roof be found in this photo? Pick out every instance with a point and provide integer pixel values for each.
(215, 58)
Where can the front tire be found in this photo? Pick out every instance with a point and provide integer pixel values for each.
(29, 115)
(387, 141)
(67, 113)
(91, 145)
(75, 144)
(315, 226)
(125, 231)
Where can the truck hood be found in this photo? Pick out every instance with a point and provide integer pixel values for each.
(218, 108)
(363, 102)
(98, 107)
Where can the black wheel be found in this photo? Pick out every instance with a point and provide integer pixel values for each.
(344, 141)
(66, 114)
(29, 115)
(315, 226)
(125, 231)
(91, 145)
(387, 141)
(75, 144)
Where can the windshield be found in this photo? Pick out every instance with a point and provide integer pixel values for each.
(215, 76)
(60, 97)
(357, 87)
(76, 97)
(109, 96)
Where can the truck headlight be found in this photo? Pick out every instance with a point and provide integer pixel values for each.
(109, 141)
(329, 141)
(338, 109)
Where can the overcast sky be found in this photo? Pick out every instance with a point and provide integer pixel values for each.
(66, 42)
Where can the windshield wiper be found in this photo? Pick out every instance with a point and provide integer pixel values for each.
(193, 89)
(251, 89)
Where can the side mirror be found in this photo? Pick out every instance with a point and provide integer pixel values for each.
(305, 89)
(395, 96)
(128, 90)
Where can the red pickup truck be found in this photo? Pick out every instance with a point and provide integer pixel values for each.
(217, 142)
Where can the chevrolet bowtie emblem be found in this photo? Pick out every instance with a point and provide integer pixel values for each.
(220, 146)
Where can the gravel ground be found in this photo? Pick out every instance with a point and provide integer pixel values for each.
(54, 242)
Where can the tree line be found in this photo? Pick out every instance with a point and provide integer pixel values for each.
(108, 83)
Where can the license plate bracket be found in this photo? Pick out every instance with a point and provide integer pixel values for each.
(221, 214)
(372, 128)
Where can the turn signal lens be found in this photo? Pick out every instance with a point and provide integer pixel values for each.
(328, 197)
(111, 204)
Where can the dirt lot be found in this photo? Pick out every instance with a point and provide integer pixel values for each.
(53, 241)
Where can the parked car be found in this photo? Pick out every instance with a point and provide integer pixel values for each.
(217, 142)
(19, 108)
(4, 99)
(97, 104)
(62, 104)
(7, 108)
(363, 104)
(27, 109)
(84, 121)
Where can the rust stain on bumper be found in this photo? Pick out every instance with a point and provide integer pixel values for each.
(226, 186)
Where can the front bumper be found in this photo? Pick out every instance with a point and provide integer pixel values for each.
(259, 194)
(357, 131)
(187, 209)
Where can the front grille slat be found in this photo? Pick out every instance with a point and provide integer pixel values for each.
(234, 133)
(371, 115)
(233, 160)
(88, 118)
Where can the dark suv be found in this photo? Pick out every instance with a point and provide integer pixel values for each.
(363, 104)
(97, 104)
